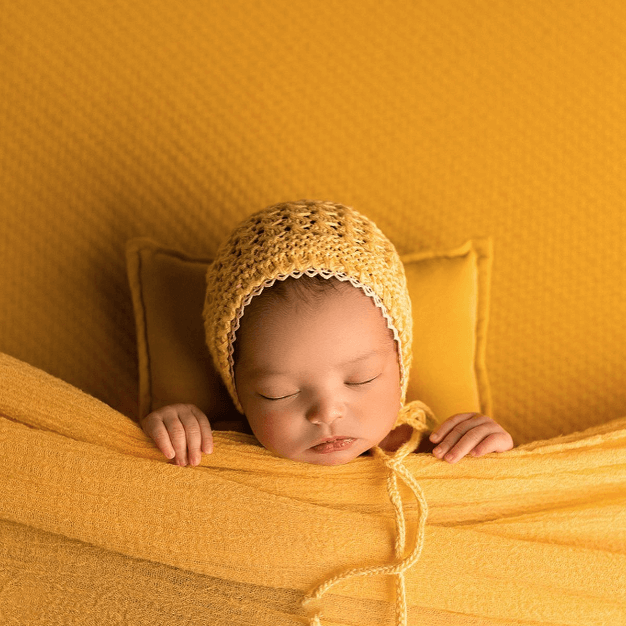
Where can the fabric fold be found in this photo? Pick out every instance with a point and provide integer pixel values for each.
(93, 516)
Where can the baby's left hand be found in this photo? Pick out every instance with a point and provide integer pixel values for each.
(472, 433)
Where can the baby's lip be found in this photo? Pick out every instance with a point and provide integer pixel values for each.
(335, 438)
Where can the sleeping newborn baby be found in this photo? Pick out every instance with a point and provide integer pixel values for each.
(307, 317)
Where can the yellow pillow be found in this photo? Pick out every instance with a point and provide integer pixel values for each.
(449, 292)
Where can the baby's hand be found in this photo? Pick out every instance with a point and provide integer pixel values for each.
(179, 431)
(471, 433)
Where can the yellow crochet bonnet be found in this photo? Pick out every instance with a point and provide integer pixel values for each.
(295, 238)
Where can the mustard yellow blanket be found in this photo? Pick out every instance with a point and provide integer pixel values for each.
(97, 528)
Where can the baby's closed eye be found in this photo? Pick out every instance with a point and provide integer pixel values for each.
(283, 397)
(279, 398)
(364, 382)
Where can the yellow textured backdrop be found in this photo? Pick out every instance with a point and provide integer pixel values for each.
(442, 120)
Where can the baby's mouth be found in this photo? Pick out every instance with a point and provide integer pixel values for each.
(338, 443)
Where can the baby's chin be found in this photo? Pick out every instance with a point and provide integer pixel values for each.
(331, 461)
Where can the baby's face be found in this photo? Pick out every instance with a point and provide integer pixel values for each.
(327, 369)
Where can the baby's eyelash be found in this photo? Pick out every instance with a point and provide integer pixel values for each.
(364, 382)
(293, 394)
(281, 398)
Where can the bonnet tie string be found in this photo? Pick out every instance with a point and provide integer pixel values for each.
(415, 416)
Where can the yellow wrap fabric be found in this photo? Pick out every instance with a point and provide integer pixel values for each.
(97, 528)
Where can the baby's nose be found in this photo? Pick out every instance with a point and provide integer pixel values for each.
(324, 412)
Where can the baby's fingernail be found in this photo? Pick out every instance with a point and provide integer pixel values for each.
(434, 437)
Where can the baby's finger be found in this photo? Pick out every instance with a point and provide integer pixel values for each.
(459, 428)
(205, 429)
(468, 442)
(193, 435)
(178, 437)
(161, 437)
(500, 441)
(445, 427)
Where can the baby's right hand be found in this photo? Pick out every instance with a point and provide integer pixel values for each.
(180, 431)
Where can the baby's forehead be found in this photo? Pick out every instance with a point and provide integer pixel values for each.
(346, 308)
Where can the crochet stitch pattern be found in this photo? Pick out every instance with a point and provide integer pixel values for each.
(295, 238)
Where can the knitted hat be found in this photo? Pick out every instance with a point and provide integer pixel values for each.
(295, 238)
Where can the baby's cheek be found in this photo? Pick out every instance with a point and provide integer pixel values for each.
(271, 429)
(377, 416)
(389, 399)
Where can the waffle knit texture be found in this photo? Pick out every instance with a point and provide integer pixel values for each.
(441, 121)
(97, 528)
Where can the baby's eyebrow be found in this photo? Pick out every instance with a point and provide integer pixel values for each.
(363, 357)
(262, 371)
